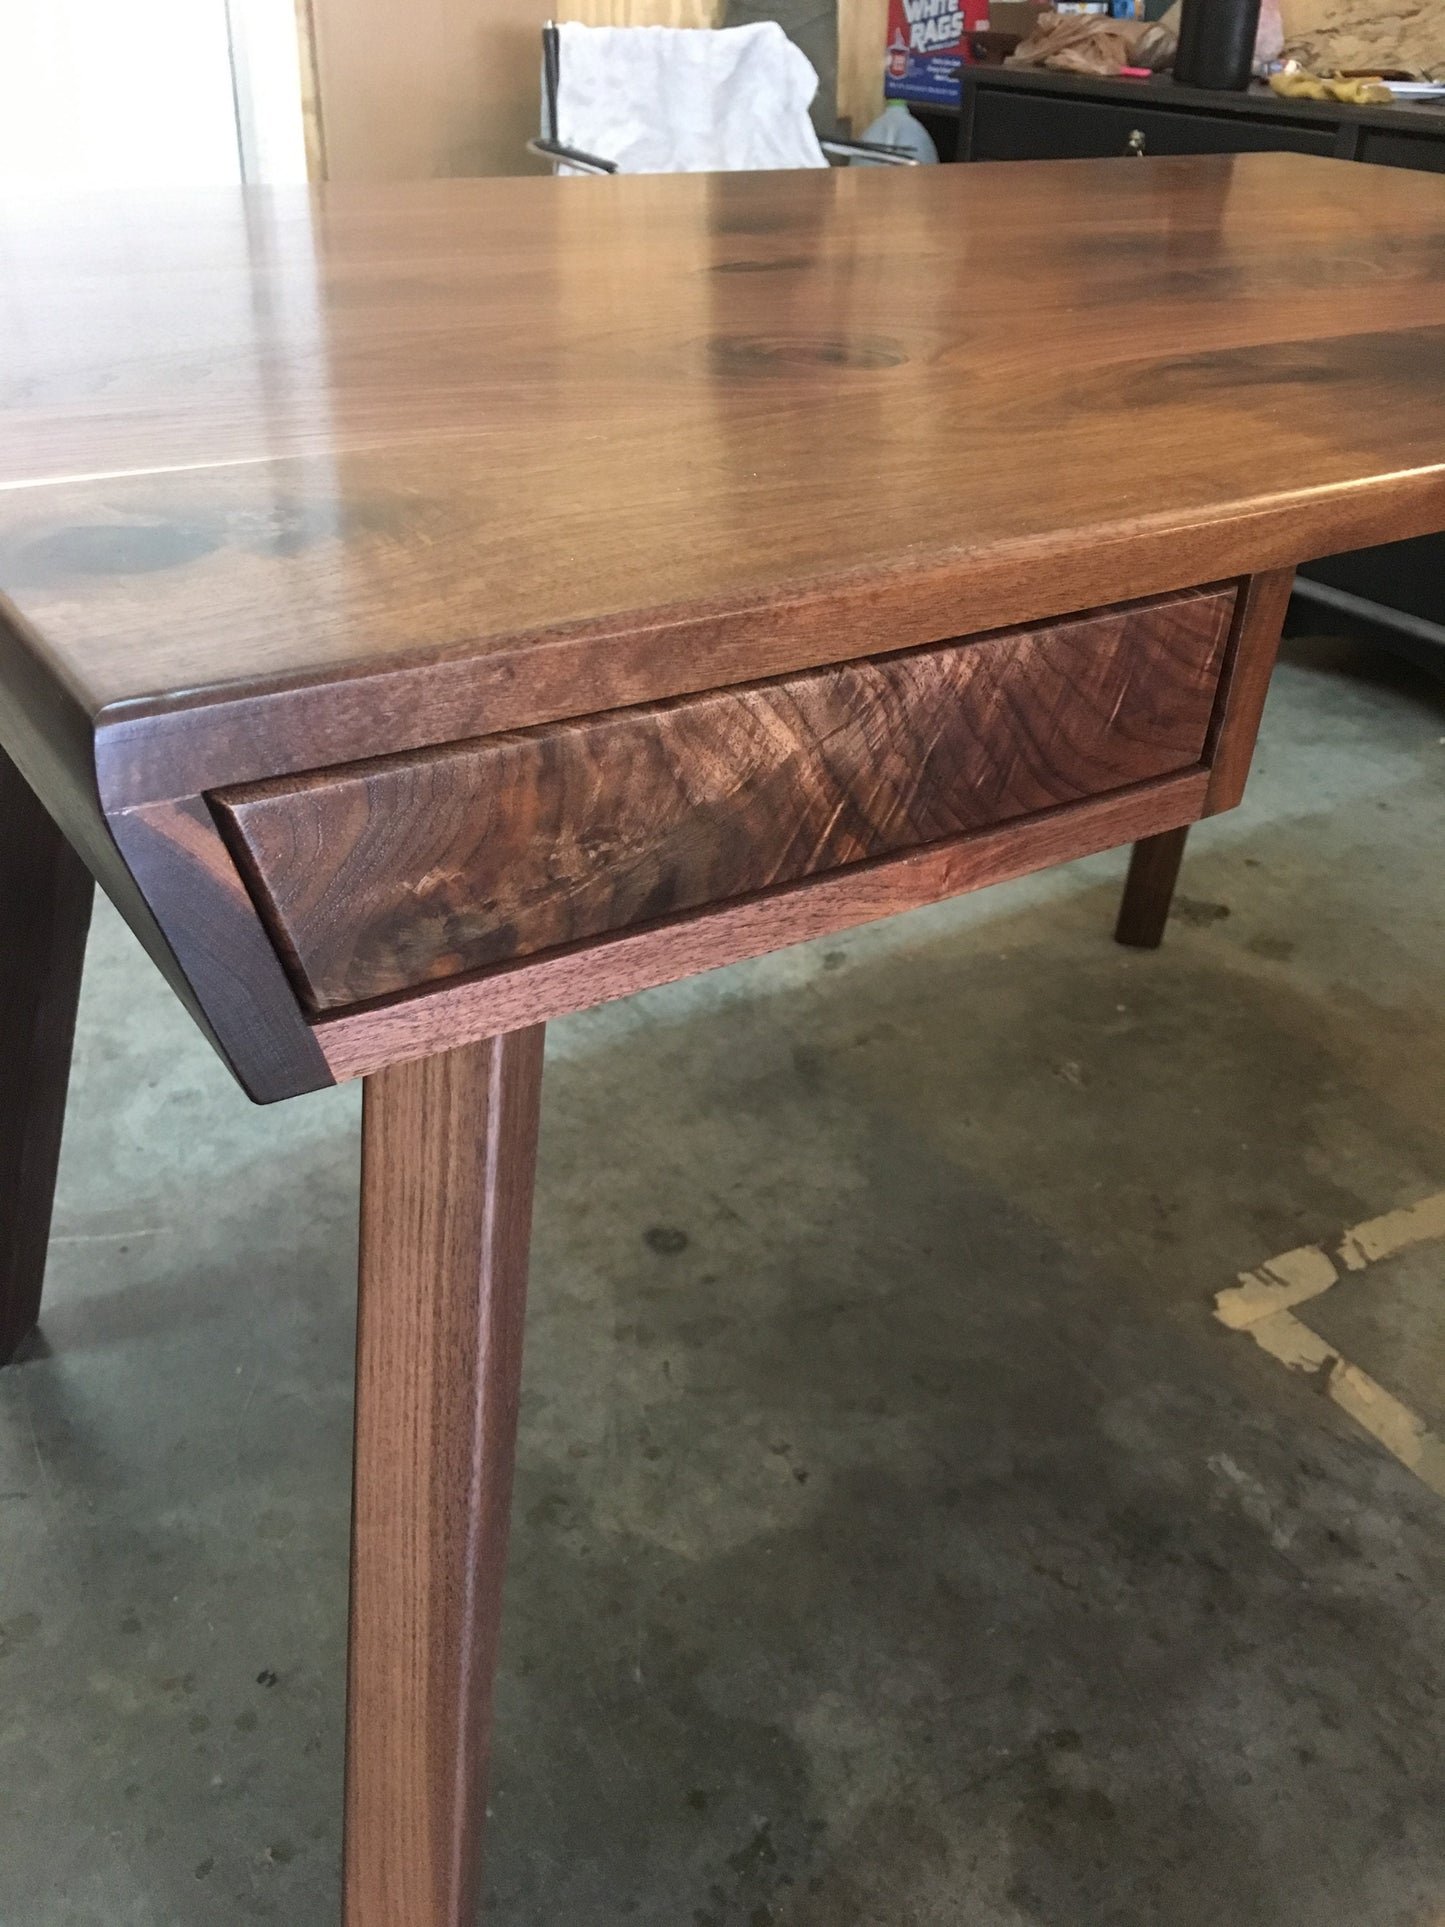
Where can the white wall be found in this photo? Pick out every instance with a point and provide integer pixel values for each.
(117, 93)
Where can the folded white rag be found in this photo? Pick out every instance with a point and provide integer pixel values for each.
(685, 100)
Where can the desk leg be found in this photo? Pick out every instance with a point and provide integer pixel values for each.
(1149, 889)
(448, 1153)
(45, 899)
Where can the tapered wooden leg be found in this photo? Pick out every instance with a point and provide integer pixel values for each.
(1149, 889)
(45, 900)
(448, 1152)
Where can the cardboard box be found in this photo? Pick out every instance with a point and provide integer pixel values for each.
(1014, 16)
(927, 46)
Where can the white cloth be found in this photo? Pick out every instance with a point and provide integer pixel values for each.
(686, 100)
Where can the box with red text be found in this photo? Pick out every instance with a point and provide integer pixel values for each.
(927, 46)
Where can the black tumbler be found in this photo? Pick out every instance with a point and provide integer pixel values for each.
(1216, 43)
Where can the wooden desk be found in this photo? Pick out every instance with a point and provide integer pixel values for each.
(433, 609)
(1392, 595)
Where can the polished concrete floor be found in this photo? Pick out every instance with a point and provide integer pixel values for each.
(899, 1537)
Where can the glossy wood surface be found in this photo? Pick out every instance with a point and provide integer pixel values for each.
(419, 868)
(533, 448)
(45, 899)
(448, 1154)
(290, 481)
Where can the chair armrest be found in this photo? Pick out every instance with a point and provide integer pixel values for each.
(870, 151)
(571, 156)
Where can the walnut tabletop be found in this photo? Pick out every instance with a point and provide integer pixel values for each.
(431, 609)
(509, 431)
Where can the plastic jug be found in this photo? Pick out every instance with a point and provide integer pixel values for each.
(896, 127)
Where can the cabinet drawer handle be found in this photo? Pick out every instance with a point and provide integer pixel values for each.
(1137, 142)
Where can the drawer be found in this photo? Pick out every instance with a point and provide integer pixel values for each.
(1405, 150)
(385, 876)
(1012, 126)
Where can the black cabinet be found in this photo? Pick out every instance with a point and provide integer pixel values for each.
(1403, 150)
(1397, 592)
(1017, 113)
(1009, 127)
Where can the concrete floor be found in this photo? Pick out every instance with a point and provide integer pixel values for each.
(899, 1538)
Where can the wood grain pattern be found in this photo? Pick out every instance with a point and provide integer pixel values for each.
(396, 874)
(414, 1025)
(519, 450)
(448, 1154)
(290, 481)
(45, 899)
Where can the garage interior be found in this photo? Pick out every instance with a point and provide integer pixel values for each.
(896, 1518)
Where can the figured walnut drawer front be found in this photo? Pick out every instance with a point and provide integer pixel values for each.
(387, 875)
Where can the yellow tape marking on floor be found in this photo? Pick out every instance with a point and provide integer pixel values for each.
(1274, 1287)
(1380, 1238)
(1261, 1302)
